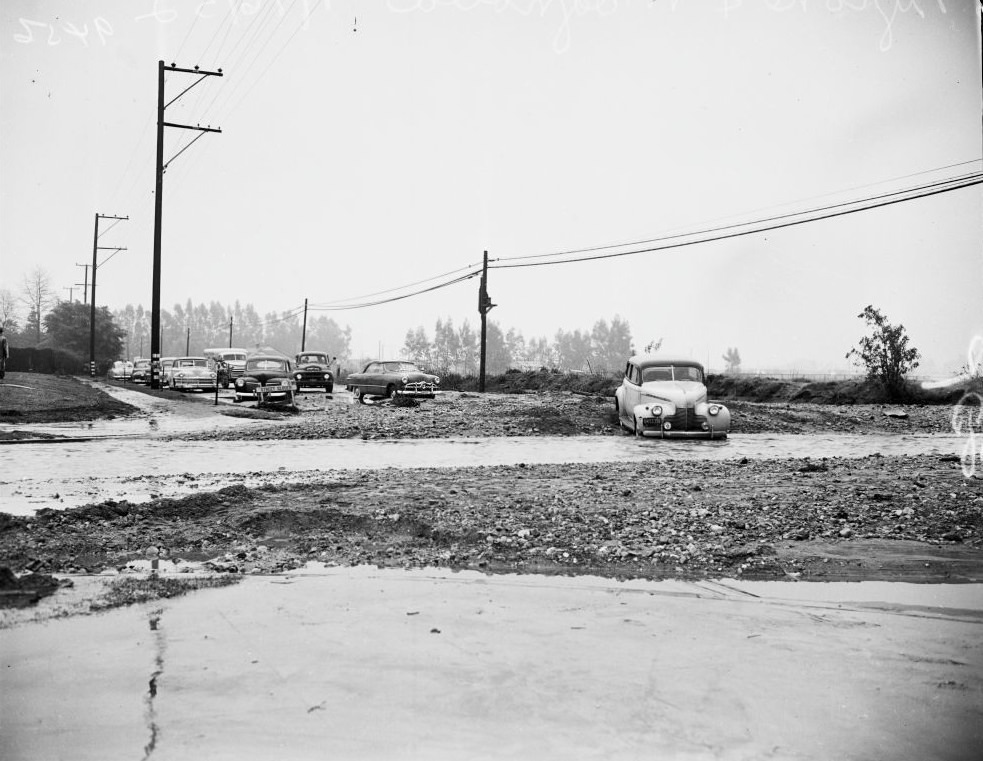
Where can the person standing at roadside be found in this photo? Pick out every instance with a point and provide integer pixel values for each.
(4, 353)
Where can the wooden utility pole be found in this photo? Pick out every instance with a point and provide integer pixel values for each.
(303, 334)
(230, 332)
(155, 342)
(92, 303)
(85, 284)
(484, 307)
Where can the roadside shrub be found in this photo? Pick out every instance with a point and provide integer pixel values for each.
(885, 354)
(50, 361)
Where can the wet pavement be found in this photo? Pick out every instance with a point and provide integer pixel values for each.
(360, 663)
(66, 474)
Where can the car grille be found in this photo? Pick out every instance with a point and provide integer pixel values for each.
(686, 419)
(420, 387)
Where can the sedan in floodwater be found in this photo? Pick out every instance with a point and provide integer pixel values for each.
(190, 374)
(392, 378)
(667, 398)
(266, 378)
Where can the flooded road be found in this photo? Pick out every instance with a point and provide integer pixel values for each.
(59, 475)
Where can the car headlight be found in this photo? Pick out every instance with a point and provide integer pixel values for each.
(436, 381)
(297, 376)
(212, 376)
(240, 383)
(713, 409)
(656, 410)
(180, 375)
(404, 380)
(327, 376)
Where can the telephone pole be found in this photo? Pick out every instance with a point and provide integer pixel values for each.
(96, 248)
(230, 332)
(70, 289)
(484, 307)
(85, 285)
(303, 333)
(159, 194)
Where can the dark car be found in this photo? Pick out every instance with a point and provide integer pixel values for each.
(141, 371)
(392, 378)
(312, 369)
(268, 378)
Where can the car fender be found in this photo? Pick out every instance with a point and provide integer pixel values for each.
(718, 422)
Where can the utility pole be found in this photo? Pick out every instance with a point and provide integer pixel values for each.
(230, 332)
(70, 290)
(85, 285)
(155, 343)
(92, 303)
(303, 334)
(484, 307)
(187, 344)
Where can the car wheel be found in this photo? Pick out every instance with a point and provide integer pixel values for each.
(359, 394)
(634, 427)
(329, 387)
(225, 384)
(390, 391)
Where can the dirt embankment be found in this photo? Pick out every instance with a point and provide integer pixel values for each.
(37, 398)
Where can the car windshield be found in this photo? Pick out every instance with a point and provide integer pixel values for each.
(142, 363)
(191, 362)
(313, 358)
(401, 367)
(266, 364)
(672, 373)
(233, 357)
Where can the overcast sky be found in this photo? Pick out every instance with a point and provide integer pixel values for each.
(369, 146)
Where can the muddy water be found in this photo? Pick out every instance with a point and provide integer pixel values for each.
(60, 475)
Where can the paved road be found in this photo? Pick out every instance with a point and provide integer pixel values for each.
(369, 664)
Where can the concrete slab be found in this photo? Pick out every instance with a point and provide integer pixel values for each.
(360, 663)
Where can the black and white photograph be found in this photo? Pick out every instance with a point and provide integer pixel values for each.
(491, 379)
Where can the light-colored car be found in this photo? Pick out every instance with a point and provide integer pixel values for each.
(392, 378)
(666, 398)
(121, 370)
(166, 363)
(191, 374)
(228, 363)
(268, 378)
(312, 369)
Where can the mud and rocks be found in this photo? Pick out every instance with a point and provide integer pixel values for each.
(561, 413)
(914, 518)
(883, 518)
(38, 398)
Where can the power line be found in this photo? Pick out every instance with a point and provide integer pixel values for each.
(471, 268)
(669, 236)
(758, 226)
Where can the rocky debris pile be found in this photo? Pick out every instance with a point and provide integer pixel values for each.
(561, 413)
(763, 519)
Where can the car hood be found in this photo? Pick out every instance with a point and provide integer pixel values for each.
(680, 393)
(313, 367)
(420, 378)
(263, 376)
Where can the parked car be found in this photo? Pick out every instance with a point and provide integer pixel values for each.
(191, 373)
(312, 369)
(268, 378)
(166, 363)
(121, 370)
(141, 371)
(228, 364)
(667, 398)
(392, 378)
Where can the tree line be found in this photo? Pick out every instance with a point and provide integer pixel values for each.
(604, 348)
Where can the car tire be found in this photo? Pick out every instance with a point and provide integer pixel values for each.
(390, 391)
(359, 394)
(329, 387)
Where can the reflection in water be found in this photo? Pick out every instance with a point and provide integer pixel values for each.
(150, 710)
